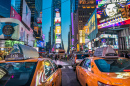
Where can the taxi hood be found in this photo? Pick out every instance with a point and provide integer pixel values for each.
(118, 78)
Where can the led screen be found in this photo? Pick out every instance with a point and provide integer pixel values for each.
(58, 29)
(112, 13)
(26, 14)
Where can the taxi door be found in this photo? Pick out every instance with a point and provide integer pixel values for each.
(48, 75)
(86, 74)
(57, 74)
(79, 71)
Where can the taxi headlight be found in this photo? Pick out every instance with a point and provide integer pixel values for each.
(102, 84)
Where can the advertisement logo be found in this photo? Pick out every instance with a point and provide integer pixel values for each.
(58, 46)
(58, 29)
(111, 10)
(113, 13)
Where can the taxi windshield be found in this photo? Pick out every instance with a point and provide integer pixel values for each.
(116, 65)
(82, 56)
(17, 73)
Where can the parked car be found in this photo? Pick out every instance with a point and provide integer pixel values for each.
(77, 59)
(23, 67)
(104, 69)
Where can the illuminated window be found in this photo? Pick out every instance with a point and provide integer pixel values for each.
(88, 7)
(92, 7)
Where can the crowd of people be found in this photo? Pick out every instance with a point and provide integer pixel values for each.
(123, 54)
(58, 57)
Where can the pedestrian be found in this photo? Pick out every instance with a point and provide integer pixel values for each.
(55, 57)
(66, 57)
(126, 55)
(122, 54)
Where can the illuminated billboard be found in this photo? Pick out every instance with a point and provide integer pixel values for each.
(58, 46)
(86, 29)
(58, 41)
(113, 13)
(77, 47)
(57, 19)
(81, 36)
(58, 29)
(92, 25)
(58, 36)
(26, 14)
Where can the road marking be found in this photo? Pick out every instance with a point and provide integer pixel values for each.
(63, 67)
(61, 62)
(70, 67)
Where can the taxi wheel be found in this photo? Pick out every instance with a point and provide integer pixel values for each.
(86, 84)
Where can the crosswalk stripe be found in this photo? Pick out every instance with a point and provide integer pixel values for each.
(70, 67)
(63, 67)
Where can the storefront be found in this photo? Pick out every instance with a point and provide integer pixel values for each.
(12, 31)
(117, 20)
(6, 45)
(124, 40)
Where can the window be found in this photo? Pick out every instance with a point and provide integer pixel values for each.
(81, 64)
(19, 72)
(48, 68)
(54, 65)
(87, 63)
(117, 65)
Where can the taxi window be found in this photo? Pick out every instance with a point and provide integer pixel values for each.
(54, 65)
(15, 49)
(17, 73)
(82, 63)
(87, 63)
(117, 65)
(82, 56)
(48, 68)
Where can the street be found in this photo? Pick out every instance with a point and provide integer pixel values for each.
(68, 74)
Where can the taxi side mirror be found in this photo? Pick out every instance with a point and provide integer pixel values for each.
(60, 66)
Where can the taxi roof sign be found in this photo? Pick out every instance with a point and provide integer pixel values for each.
(20, 52)
(106, 52)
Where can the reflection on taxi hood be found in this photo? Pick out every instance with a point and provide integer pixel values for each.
(121, 78)
(118, 75)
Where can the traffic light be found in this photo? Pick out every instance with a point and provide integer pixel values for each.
(123, 11)
(127, 10)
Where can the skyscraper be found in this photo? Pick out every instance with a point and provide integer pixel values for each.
(56, 6)
(79, 17)
(35, 7)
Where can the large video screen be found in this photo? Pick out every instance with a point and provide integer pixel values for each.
(111, 13)
(26, 14)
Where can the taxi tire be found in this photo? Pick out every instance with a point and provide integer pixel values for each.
(86, 84)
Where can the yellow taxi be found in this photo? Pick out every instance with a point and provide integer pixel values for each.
(105, 69)
(22, 68)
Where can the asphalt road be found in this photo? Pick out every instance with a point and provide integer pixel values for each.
(68, 75)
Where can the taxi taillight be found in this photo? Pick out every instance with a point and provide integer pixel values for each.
(126, 70)
(102, 84)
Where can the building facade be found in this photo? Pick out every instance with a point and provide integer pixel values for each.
(80, 17)
(56, 5)
(15, 26)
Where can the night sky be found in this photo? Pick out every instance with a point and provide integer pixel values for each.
(46, 20)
